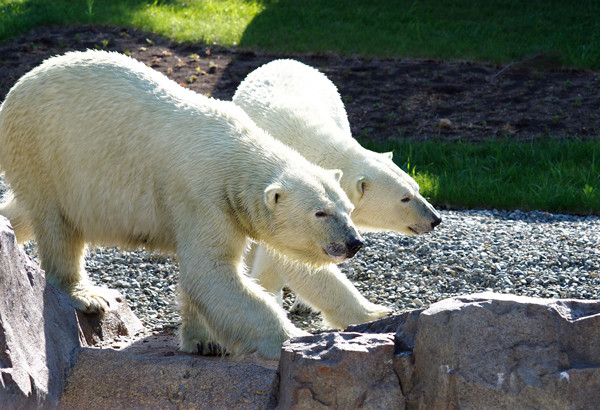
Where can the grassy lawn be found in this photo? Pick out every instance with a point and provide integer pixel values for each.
(495, 30)
(550, 175)
(545, 175)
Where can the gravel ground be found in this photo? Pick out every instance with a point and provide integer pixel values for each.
(525, 253)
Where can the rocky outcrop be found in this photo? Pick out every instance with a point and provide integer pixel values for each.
(483, 351)
(151, 373)
(479, 351)
(502, 351)
(339, 370)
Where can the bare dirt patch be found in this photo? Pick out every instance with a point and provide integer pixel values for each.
(385, 98)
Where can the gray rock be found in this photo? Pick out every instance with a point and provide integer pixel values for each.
(117, 322)
(339, 370)
(38, 331)
(152, 374)
(488, 351)
(502, 351)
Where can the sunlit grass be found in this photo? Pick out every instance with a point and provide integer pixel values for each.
(207, 21)
(220, 22)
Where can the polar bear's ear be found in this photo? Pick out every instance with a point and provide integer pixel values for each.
(337, 174)
(389, 155)
(273, 194)
(361, 185)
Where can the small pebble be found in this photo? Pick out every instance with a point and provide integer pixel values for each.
(444, 124)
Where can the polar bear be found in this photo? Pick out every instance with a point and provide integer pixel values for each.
(99, 148)
(302, 108)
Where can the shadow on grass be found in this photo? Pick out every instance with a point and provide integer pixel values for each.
(298, 27)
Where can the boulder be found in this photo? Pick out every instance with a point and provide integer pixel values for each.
(504, 351)
(118, 323)
(497, 351)
(339, 370)
(151, 373)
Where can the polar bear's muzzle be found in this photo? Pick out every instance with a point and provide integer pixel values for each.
(343, 251)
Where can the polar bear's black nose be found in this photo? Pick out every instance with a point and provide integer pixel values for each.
(353, 246)
(436, 221)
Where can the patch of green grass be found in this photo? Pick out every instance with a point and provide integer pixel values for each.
(550, 175)
(206, 21)
(495, 30)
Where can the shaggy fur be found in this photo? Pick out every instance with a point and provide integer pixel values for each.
(99, 148)
(302, 108)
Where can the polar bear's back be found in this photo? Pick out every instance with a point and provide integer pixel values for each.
(292, 79)
(110, 139)
(112, 91)
(288, 85)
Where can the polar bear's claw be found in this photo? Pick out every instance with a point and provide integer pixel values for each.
(367, 312)
(210, 349)
(299, 307)
(91, 299)
(375, 312)
(202, 347)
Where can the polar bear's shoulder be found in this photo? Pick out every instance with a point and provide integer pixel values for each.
(287, 94)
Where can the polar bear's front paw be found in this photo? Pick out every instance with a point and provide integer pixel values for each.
(202, 347)
(377, 312)
(92, 299)
(340, 319)
(211, 349)
(208, 348)
(300, 307)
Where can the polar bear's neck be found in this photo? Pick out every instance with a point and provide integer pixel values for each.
(321, 139)
(254, 173)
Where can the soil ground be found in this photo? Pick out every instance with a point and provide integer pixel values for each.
(385, 98)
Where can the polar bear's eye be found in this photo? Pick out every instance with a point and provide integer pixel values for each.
(320, 214)
(406, 199)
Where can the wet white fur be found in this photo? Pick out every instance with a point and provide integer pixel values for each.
(99, 148)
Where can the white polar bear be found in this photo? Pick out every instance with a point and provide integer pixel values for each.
(302, 108)
(100, 148)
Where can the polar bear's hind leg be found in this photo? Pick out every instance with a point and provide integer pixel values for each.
(60, 248)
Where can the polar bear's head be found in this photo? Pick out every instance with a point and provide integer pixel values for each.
(310, 217)
(387, 198)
